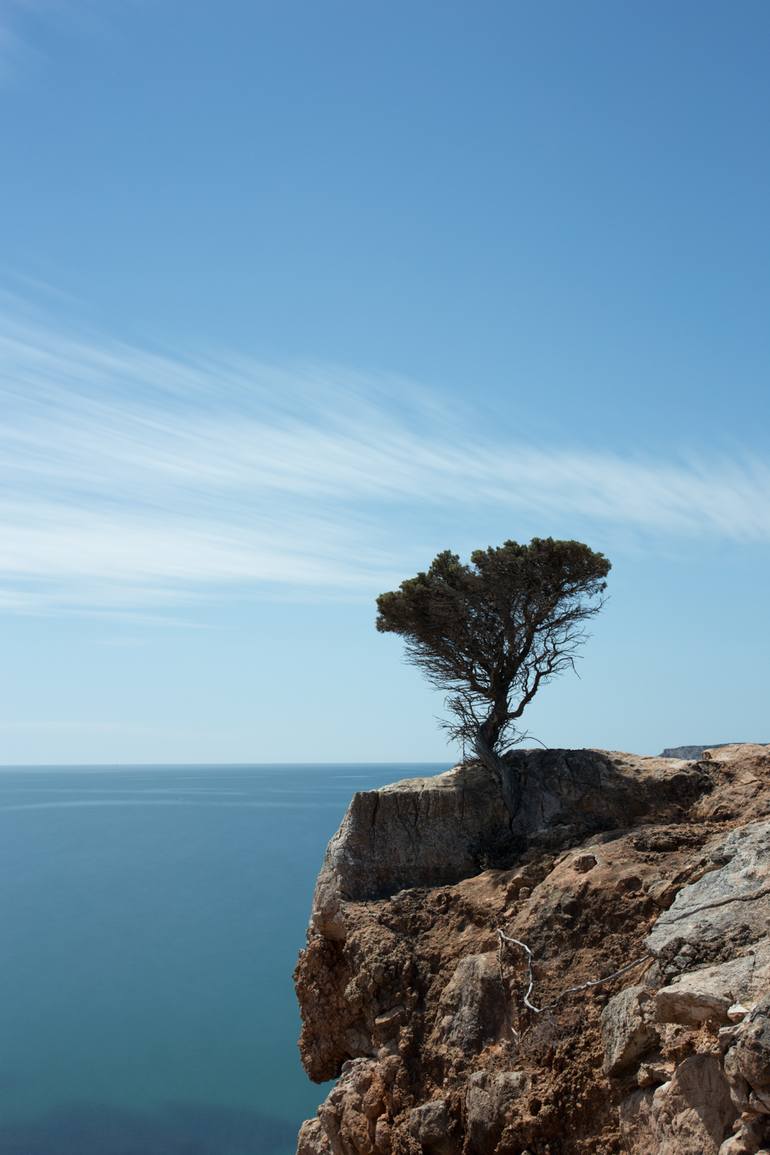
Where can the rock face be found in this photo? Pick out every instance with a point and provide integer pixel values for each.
(446, 1038)
(434, 831)
(420, 832)
(728, 907)
(690, 753)
(692, 1114)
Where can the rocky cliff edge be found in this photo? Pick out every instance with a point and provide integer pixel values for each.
(593, 977)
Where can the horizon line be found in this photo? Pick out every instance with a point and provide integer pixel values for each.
(188, 765)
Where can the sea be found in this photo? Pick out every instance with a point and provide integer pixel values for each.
(150, 921)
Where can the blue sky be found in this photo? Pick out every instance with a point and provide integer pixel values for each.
(294, 295)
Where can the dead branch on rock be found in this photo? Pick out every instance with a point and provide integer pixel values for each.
(506, 938)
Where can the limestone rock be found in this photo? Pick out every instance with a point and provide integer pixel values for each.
(488, 1099)
(695, 1112)
(436, 831)
(419, 832)
(637, 1125)
(752, 1047)
(430, 1124)
(567, 794)
(312, 1139)
(747, 1141)
(709, 993)
(349, 1114)
(690, 1115)
(626, 1031)
(406, 1002)
(582, 863)
(726, 908)
(473, 1005)
(743, 774)
(654, 1073)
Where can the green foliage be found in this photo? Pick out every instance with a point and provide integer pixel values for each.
(493, 631)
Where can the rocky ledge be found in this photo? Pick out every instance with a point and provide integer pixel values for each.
(593, 977)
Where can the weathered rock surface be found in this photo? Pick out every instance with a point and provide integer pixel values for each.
(491, 1096)
(707, 994)
(425, 1016)
(627, 1032)
(419, 832)
(691, 753)
(436, 831)
(690, 1115)
(567, 794)
(728, 907)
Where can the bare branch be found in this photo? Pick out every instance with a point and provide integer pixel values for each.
(508, 939)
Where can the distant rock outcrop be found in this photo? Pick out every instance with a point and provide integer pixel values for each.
(653, 874)
(692, 752)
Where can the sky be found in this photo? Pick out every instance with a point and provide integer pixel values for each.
(295, 295)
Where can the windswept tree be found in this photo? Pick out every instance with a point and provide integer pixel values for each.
(493, 632)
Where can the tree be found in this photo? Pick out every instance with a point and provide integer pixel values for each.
(492, 632)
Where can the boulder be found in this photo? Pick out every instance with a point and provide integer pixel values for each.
(710, 993)
(626, 1030)
(473, 1006)
(430, 1124)
(690, 1115)
(725, 909)
(751, 1052)
(488, 1099)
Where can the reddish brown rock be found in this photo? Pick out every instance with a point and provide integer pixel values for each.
(411, 1000)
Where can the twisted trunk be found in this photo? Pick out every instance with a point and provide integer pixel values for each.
(487, 737)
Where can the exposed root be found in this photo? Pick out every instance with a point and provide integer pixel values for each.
(507, 939)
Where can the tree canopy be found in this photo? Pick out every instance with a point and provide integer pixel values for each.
(492, 632)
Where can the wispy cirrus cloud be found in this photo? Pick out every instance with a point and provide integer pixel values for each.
(136, 481)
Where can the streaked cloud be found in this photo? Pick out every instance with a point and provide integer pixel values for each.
(133, 480)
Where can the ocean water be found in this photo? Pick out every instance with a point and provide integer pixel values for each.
(150, 919)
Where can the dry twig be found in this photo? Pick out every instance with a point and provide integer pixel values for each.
(505, 938)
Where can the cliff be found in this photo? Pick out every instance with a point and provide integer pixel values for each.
(591, 978)
(693, 752)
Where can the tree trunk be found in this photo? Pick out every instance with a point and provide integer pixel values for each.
(484, 744)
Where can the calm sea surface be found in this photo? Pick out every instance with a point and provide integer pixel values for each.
(150, 919)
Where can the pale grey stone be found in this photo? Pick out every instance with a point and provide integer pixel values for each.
(474, 1004)
(692, 1114)
(627, 1033)
(429, 1122)
(419, 832)
(708, 993)
(729, 904)
(567, 794)
(751, 1052)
